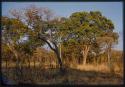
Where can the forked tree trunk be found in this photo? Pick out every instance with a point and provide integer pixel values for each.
(85, 51)
(55, 49)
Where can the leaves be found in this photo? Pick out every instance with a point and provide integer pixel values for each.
(81, 28)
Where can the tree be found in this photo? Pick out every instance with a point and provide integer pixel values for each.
(53, 41)
(12, 31)
(40, 25)
(84, 27)
(106, 42)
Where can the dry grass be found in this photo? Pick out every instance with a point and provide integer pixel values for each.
(76, 74)
(89, 67)
(101, 68)
(13, 64)
(72, 76)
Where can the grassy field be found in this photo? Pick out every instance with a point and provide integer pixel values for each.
(89, 75)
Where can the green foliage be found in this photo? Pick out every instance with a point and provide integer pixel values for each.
(13, 28)
(85, 26)
(81, 28)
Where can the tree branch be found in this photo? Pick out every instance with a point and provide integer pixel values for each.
(13, 50)
(43, 39)
(54, 44)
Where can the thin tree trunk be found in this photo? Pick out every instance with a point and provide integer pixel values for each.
(109, 59)
(6, 64)
(6, 67)
(18, 68)
(85, 53)
(28, 62)
(34, 63)
(95, 60)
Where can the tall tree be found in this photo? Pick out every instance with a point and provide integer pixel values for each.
(84, 27)
(12, 31)
(41, 25)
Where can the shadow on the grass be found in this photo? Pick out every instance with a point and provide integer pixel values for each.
(54, 76)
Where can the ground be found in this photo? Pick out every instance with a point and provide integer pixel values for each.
(53, 76)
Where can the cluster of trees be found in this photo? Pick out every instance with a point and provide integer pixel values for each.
(81, 38)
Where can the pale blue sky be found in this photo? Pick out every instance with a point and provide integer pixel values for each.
(112, 10)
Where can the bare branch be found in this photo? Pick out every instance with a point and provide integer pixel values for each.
(16, 13)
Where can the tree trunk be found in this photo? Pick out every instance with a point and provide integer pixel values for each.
(56, 50)
(18, 67)
(7, 67)
(6, 64)
(15, 53)
(34, 63)
(85, 53)
(59, 59)
(28, 62)
(109, 58)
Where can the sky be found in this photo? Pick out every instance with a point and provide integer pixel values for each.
(111, 10)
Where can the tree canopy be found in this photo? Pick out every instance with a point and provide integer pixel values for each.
(87, 30)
